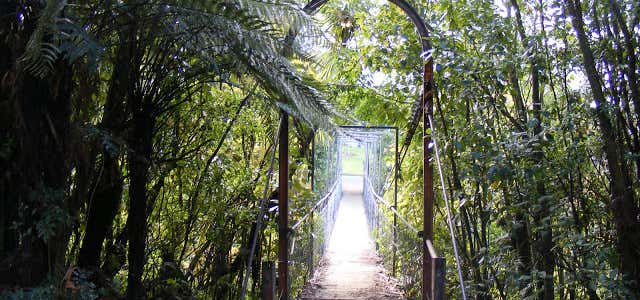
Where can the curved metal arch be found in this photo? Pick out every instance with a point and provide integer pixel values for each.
(433, 267)
(313, 6)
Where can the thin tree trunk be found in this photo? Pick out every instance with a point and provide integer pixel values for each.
(544, 240)
(623, 206)
(138, 161)
(194, 197)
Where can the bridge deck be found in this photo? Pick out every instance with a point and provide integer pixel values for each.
(351, 269)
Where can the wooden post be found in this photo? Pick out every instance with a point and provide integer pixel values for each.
(283, 208)
(427, 177)
(268, 280)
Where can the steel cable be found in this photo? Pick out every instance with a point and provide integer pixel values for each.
(317, 205)
(261, 210)
(449, 214)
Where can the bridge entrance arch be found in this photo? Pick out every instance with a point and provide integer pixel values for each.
(432, 265)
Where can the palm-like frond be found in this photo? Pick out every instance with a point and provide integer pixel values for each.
(234, 33)
(278, 13)
(40, 55)
(246, 33)
(55, 36)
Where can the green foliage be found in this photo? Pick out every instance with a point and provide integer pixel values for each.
(491, 141)
(52, 289)
(44, 292)
(211, 79)
(352, 160)
(48, 219)
(58, 36)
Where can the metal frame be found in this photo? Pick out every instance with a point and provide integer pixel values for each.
(396, 168)
(432, 265)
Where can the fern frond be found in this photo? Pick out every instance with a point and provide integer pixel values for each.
(40, 54)
(54, 37)
(75, 43)
(278, 13)
(227, 35)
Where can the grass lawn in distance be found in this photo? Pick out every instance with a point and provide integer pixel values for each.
(352, 160)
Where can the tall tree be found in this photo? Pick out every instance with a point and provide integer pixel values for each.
(623, 205)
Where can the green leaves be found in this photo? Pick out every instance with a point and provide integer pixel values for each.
(55, 37)
(41, 52)
(253, 47)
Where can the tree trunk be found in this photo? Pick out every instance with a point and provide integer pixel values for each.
(103, 207)
(35, 126)
(138, 162)
(544, 237)
(108, 182)
(39, 172)
(623, 205)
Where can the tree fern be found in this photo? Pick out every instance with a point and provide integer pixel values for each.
(248, 33)
(234, 33)
(40, 54)
(55, 36)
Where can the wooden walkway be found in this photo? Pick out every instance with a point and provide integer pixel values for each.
(351, 269)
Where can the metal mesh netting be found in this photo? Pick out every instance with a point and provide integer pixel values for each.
(311, 232)
(398, 245)
(401, 246)
(397, 241)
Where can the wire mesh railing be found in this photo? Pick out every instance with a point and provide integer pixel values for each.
(404, 251)
(313, 222)
(398, 245)
(310, 237)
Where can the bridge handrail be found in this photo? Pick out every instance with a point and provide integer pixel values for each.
(317, 205)
(391, 207)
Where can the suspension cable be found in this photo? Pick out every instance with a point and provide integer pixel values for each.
(449, 217)
(391, 207)
(317, 205)
(261, 210)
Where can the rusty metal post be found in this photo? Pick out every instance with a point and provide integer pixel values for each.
(283, 208)
(437, 272)
(268, 280)
(427, 177)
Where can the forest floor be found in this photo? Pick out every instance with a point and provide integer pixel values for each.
(351, 268)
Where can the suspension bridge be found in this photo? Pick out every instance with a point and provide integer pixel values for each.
(346, 244)
(352, 241)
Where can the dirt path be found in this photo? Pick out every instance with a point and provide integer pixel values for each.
(351, 269)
